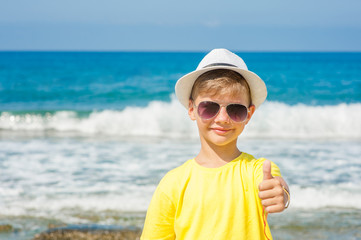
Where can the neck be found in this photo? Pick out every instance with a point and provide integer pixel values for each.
(213, 156)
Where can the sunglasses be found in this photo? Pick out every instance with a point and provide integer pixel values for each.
(207, 110)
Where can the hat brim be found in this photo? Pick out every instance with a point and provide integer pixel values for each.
(184, 85)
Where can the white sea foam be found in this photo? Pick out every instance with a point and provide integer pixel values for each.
(301, 121)
(67, 178)
(157, 119)
(332, 196)
(169, 119)
(67, 208)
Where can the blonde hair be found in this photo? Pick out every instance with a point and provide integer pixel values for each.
(221, 82)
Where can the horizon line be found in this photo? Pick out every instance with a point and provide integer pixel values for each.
(175, 51)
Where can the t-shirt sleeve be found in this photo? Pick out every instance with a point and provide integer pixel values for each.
(258, 173)
(159, 222)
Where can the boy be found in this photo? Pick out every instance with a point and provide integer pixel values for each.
(222, 193)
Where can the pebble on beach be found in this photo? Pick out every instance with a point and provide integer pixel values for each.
(89, 234)
(6, 228)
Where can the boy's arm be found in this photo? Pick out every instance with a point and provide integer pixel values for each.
(159, 222)
(273, 191)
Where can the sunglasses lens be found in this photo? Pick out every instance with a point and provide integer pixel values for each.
(207, 110)
(237, 112)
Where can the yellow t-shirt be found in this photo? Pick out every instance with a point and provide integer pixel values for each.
(194, 203)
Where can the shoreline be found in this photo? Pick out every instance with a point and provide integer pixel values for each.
(324, 223)
(90, 232)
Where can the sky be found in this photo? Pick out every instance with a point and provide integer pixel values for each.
(186, 25)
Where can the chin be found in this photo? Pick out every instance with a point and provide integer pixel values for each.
(222, 140)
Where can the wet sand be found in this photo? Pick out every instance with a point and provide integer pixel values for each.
(89, 233)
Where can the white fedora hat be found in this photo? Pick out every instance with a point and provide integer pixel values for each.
(221, 59)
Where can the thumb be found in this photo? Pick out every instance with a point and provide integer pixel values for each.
(267, 170)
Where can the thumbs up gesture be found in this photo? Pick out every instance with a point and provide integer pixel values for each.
(271, 190)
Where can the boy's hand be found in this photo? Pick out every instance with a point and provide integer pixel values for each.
(271, 192)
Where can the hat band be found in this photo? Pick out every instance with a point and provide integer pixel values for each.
(220, 64)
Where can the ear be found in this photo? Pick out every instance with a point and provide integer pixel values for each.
(191, 110)
(251, 109)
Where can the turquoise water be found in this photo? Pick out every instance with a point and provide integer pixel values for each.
(88, 81)
(86, 136)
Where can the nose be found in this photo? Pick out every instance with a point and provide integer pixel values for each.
(222, 116)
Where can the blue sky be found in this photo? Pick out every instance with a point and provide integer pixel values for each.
(163, 25)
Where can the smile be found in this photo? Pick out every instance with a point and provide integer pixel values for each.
(221, 130)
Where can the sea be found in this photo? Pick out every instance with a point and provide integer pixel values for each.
(85, 137)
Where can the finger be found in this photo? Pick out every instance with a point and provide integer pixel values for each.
(267, 170)
(272, 184)
(272, 201)
(271, 193)
(268, 194)
(275, 208)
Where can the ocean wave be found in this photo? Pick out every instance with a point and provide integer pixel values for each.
(71, 208)
(336, 196)
(169, 119)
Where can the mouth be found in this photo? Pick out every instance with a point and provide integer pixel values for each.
(221, 131)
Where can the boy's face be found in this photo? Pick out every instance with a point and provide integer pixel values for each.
(220, 130)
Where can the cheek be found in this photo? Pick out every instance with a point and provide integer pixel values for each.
(203, 125)
(240, 127)
(200, 122)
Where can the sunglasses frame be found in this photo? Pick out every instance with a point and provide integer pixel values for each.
(220, 106)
